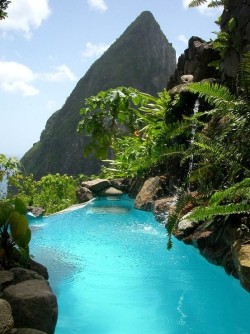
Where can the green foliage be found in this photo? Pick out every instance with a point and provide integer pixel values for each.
(149, 140)
(3, 7)
(8, 166)
(212, 3)
(52, 192)
(244, 77)
(221, 154)
(15, 234)
(109, 115)
(55, 192)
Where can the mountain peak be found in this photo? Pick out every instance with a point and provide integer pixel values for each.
(141, 58)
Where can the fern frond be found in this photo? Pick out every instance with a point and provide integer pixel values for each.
(244, 75)
(202, 213)
(240, 189)
(215, 94)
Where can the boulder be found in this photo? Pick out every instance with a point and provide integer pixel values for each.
(26, 331)
(121, 184)
(96, 185)
(22, 274)
(145, 199)
(162, 207)
(111, 191)
(135, 186)
(36, 211)
(39, 268)
(6, 278)
(83, 194)
(33, 305)
(186, 227)
(6, 319)
(241, 259)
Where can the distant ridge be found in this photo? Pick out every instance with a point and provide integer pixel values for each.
(141, 58)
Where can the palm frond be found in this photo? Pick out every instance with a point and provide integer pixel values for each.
(196, 3)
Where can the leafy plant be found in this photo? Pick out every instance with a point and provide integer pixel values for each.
(3, 7)
(221, 153)
(15, 234)
(212, 3)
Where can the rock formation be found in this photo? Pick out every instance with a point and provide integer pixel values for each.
(194, 61)
(27, 303)
(141, 58)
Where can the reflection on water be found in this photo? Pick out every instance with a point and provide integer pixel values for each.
(108, 210)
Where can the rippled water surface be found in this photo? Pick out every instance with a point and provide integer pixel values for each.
(112, 274)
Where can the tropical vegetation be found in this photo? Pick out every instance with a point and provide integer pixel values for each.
(209, 147)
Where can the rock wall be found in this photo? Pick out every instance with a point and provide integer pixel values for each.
(239, 10)
(194, 61)
(199, 53)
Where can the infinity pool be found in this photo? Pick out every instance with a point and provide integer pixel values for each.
(112, 274)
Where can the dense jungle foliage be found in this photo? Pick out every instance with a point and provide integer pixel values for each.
(203, 131)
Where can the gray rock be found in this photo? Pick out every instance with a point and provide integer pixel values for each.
(187, 78)
(6, 319)
(97, 185)
(39, 268)
(6, 278)
(36, 211)
(111, 191)
(22, 274)
(33, 305)
(186, 225)
(83, 194)
(26, 331)
(145, 199)
(194, 63)
(163, 207)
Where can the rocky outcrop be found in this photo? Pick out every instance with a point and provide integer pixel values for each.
(83, 194)
(141, 58)
(101, 187)
(150, 190)
(241, 260)
(227, 246)
(32, 305)
(193, 63)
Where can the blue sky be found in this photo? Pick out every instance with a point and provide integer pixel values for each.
(46, 46)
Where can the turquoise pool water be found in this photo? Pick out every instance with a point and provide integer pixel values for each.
(112, 274)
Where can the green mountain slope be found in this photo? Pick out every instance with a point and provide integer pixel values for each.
(142, 58)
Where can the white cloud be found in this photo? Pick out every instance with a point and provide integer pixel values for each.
(61, 73)
(203, 9)
(183, 38)
(98, 5)
(25, 15)
(18, 78)
(94, 50)
(15, 77)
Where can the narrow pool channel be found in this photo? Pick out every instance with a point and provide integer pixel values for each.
(112, 274)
